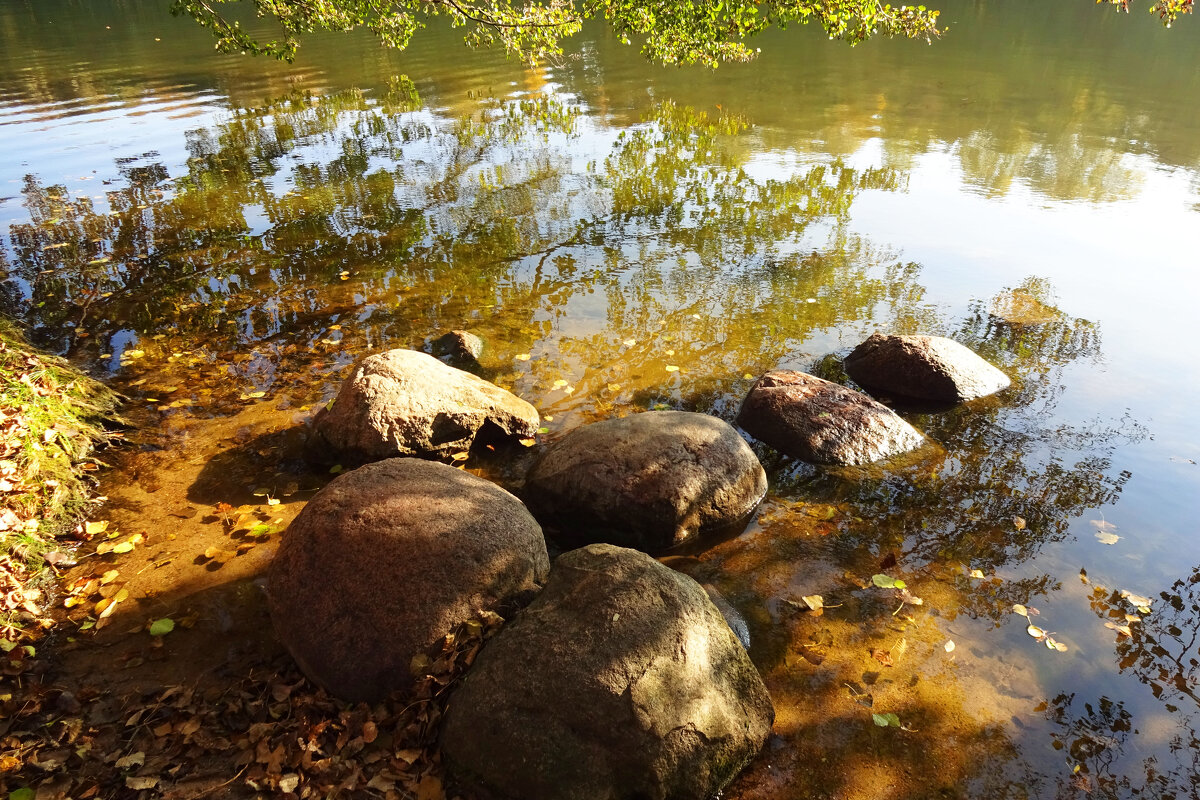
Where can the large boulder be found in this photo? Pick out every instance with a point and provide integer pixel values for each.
(923, 368)
(387, 559)
(821, 422)
(405, 403)
(620, 681)
(649, 480)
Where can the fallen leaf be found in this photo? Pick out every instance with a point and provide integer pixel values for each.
(976, 573)
(1136, 599)
(95, 528)
(882, 656)
(289, 782)
(814, 601)
(430, 788)
(1124, 630)
(1036, 632)
(1107, 538)
(527, 442)
(161, 627)
(109, 577)
(1020, 609)
(141, 782)
(630, 342)
(886, 720)
(558, 384)
(887, 582)
(1019, 523)
(950, 646)
(132, 760)
(909, 598)
(523, 357)
(672, 368)
(1102, 524)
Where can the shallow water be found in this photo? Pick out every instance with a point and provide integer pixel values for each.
(220, 237)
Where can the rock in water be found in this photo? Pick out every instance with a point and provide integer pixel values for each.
(821, 422)
(387, 559)
(649, 480)
(460, 349)
(405, 403)
(620, 681)
(923, 368)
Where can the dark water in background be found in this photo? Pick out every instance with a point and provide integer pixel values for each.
(200, 228)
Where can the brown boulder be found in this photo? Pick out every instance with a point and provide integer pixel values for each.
(649, 480)
(405, 403)
(620, 681)
(821, 422)
(387, 559)
(923, 368)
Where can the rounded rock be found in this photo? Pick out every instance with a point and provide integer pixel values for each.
(620, 680)
(386, 560)
(821, 422)
(651, 480)
(929, 368)
(405, 403)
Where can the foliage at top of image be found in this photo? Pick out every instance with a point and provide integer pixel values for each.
(707, 32)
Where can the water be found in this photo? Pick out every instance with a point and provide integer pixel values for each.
(200, 229)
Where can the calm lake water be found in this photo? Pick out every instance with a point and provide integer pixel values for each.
(212, 234)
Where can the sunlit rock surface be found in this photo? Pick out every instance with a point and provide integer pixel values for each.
(821, 422)
(405, 403)
(387, 559)
(649, 480)
(621, 680)
(929, 368)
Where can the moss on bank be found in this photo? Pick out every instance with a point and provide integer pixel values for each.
(52, 419)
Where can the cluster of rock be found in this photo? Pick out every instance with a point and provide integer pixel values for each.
(621, 677)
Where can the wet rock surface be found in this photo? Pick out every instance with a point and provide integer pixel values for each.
(387, 559)
(821, 422)
(405, 403)
(650, 480)
(621, 680)
(460, 349)
(930, 368)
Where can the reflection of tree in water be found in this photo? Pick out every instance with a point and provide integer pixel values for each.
(395, 224)
(1007, 483)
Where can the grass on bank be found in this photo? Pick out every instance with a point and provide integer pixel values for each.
(51, 420)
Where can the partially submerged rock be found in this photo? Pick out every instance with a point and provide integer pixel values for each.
(387, 559)
(923, 368)
(649, 480)
(620, 681)
(821, 422)
(460, 349)
(405, 403)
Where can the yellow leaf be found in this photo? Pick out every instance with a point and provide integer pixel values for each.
(528, 442)
(124, 547)
(950, 646)
(1020, 609)
(95, 528)
(523, 357)
(1019, 523)
(558, 384)
(672, 368)
(463, 456)
(630, 342)
(976, 573)
(748, 376)
(272, 501)
(614, 387)
(1035, 632)
(109, 576)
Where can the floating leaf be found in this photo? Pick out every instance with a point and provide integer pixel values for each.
(886, 720)
(1124, 630)
(814, 601)
(887, 581)
(672, 368)
(523, 357)
(1019, 523)
(161, 627)
(630, 342)
(949, 646)
(558, 384)
(1137, 600)
(1036, 632)
(909, 598)
(1053, 644)
(976, 573)
(1107, 538)
(1020, 609)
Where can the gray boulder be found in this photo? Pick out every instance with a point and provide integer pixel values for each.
(923, 368)
(387, 559)
(620, 681)
(405, 403)
(649, 480)
(821, 422)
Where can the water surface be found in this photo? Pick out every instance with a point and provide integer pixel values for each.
(221, 236)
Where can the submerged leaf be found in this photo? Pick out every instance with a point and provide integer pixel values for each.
(161, 627)
(814, 601)
(1107, 538)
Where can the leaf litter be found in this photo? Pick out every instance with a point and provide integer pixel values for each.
(269, 732)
